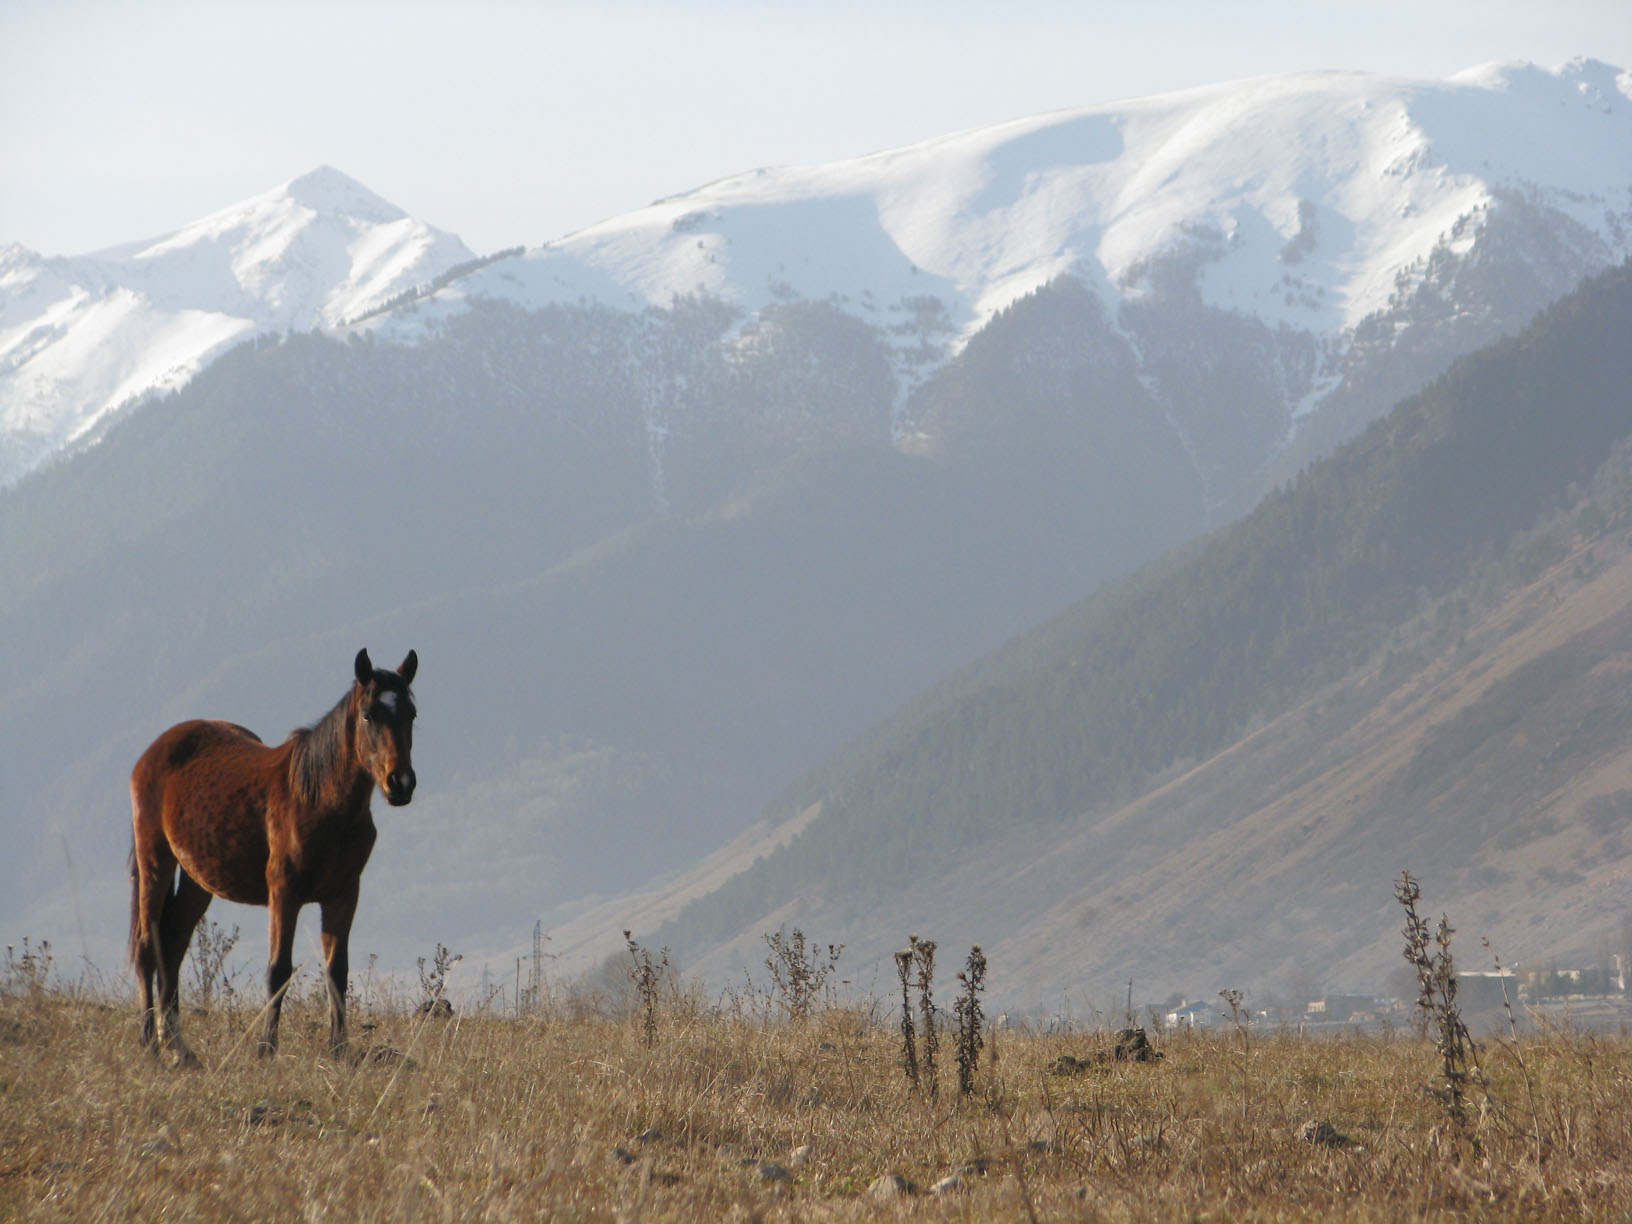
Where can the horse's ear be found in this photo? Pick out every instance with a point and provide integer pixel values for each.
(365, 669)
(410, 665)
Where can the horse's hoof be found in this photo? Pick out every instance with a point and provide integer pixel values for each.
(266, 1049)
(189, 1061)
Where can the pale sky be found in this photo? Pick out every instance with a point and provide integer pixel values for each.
(513, 123)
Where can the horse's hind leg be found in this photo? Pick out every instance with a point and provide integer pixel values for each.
(182, 910)
(151, 871)
(146, 960)
(141, 952)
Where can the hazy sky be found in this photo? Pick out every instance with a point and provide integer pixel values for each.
(514, 123)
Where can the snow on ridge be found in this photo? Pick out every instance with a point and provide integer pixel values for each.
(1300, 197)
(82, 337)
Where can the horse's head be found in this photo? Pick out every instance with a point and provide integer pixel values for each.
(385, 728)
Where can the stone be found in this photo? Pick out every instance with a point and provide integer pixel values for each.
(1133, 1045)
(1322, 1132)
(889, 1186)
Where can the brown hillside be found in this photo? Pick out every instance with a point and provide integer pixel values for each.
(1492, 759)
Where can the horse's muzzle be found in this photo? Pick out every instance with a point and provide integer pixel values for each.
(400, 787)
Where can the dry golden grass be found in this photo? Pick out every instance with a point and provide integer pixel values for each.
(571, 1116)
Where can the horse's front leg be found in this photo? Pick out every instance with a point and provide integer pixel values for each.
(337, 915)
(283, 909)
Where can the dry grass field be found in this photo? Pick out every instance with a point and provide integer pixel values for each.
(728, 1115)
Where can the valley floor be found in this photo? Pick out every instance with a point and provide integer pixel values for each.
(728, 1115)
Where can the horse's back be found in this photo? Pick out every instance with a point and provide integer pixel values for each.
(188, 740)
(201, 790)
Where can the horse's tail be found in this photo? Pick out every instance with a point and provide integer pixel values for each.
(135, 901)
(140, 936)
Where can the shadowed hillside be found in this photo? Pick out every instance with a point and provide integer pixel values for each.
(652, 576)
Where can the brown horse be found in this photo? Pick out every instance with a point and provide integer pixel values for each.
(264, 826)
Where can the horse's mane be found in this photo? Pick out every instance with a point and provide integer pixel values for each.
(318, 751)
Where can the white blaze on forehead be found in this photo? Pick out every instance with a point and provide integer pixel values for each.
(388, 699)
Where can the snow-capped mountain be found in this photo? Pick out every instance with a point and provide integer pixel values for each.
(1259, 249)
(1306, 204)
(1300, 199)
(82, 337)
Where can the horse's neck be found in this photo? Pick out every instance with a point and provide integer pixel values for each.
(325, 770)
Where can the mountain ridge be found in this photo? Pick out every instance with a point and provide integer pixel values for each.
(1332, 176)
(1305, 208)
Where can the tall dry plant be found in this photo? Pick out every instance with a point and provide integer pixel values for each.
(969, 1020)
(928, 1038)
(797, 974)
(1430, 956)
(909, 1038)
(915, 966)
(433, 982)
(29, 973)
(1232, 999)
(647, 976)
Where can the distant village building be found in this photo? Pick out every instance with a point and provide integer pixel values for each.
(1595, 980)
(1194, 1016)
(1341, 1008)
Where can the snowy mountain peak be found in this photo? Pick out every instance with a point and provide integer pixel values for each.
(1300, 200)
(82, 337)
(317, 251)
(327, 190)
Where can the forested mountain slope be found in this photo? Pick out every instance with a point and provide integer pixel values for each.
(1118, 761)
